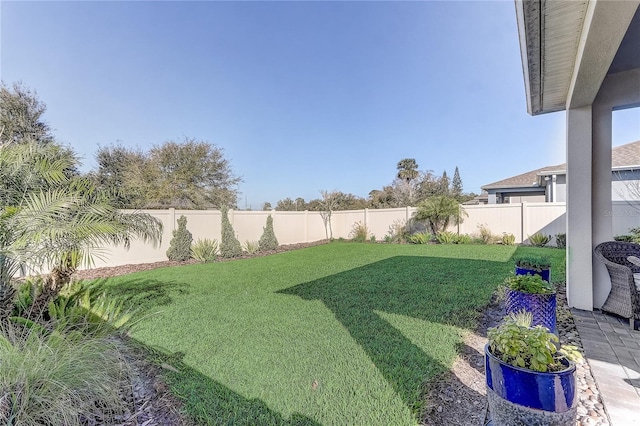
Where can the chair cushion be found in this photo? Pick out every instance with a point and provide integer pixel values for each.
(636, 279)
(634, 260)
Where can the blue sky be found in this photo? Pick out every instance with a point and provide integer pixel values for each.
(302, 96)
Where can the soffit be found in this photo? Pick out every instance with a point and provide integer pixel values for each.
(567, 48)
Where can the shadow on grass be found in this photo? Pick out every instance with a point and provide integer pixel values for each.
(143, 294)
(208, 402)
(436, 290)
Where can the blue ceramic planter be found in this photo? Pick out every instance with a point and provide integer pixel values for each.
(541, 306)
(545, 273)
(554, 392)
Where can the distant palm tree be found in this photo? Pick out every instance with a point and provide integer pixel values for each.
(407, 169)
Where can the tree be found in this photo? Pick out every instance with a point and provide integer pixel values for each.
(268, 240)
(328, 204)
(180, 245)
(286, 205)
(444, 184)
(229, 244)
(439, 212)
(191, 174)
(456, 185)
(266, 206)
(66, 227)
(427, 186)
(407, 169)
(21, 116)
(116, 166)
(407, 173)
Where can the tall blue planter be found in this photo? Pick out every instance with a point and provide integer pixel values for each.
(518, 396)
(545, 273)
(541, 306)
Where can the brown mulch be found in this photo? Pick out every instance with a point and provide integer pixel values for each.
(458, 397)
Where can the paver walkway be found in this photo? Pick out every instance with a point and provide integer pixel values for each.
(613, 352)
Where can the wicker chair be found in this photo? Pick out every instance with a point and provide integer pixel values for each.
(623, 299)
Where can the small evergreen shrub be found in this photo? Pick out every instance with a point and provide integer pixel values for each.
(624, 238)
(539, 239)
(359, 232)
(372, 238)
(205, 250)
(180, 245)
(229, 244)
(250, 247)
(561, 241)
(268, 240)
(446, 237)
(508, 239)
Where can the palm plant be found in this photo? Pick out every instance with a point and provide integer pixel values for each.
(440, 211)
(62, 226)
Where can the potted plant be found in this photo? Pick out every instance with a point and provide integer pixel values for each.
(529, 379)
(534, 265)
(532, 294)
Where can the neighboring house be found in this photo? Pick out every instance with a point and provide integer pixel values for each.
(549, 184)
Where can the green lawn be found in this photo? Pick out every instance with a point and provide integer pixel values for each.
(343, 333)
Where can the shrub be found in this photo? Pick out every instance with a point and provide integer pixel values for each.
(387, 239)
(508, 239)
(485, 234)
(268, 240)
(446, 237)
(372, 238)
(463, 239)
(205, 250)
(561, 241)
(85, 306)
(359, 232)
(420, 238)
(180, 245)
(250, 247)
(632, 237)
(229, 244)
(54, 378)
(398, 232)
(539, 239)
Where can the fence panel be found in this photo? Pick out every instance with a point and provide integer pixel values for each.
(497, 218)
(519, 219)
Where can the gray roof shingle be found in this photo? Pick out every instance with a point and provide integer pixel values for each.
(624, 156)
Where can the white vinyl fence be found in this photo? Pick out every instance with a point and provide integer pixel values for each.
(519, 219)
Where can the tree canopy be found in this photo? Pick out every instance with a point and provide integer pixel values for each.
(191, 174)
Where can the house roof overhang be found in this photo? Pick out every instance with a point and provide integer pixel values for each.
(568, 47)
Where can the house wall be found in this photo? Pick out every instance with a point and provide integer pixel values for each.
(625, 185)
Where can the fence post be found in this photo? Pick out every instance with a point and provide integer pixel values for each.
(523, 220)
(306, 226)
(172, 215)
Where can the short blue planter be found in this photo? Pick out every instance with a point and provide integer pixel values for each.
(541, 306)
(545, 273)
(516, 394)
